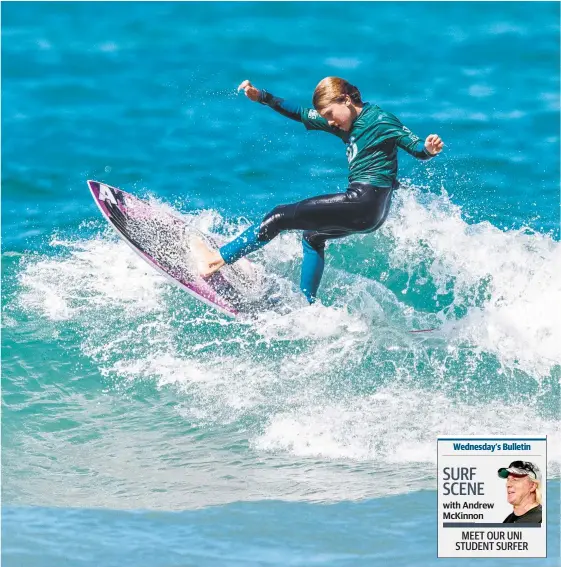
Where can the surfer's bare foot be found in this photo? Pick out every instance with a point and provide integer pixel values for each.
(208, 261)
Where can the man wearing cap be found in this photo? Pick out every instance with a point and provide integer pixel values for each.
(523, 481)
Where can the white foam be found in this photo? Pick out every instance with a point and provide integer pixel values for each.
(331, 382)
(311, 322)
(394, 426)
(509, 282)
(96, 272)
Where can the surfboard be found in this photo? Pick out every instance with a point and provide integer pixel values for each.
(164, 241)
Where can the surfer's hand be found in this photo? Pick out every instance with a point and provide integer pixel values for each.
(434, 144)
(250, 91)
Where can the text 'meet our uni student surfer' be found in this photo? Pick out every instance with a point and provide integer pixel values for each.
(372, 137)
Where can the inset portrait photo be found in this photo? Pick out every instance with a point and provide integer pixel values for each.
(523, 492)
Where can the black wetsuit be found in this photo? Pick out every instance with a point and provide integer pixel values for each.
(361, 208)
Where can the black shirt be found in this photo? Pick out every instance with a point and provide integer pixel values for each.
(532, 516)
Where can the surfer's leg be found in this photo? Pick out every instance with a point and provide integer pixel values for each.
(250, 240)
(212, 260)
(257, 235)
(355, 210)
(296, 216)
(313, 244)
(247, 242)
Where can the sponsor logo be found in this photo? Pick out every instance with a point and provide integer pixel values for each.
(105, 194)
(313, 114)
(411, 135)
(352, 150)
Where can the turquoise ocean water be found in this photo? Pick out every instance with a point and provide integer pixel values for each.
(140, 427)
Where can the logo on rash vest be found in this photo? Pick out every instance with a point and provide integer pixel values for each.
(411, 135)
(352, 149)
(313, 114)
(105, 194)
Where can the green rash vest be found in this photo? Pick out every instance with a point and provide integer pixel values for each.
(371, 144)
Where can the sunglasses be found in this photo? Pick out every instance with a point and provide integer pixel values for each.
(524, 465)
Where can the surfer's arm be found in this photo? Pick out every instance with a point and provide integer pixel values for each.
(284, 107)
(391, 127)
(421, 150)
(415, 147)
(308, 116)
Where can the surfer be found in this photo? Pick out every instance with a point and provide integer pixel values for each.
(372, 137)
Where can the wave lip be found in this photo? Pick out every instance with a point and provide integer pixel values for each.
(505, 283)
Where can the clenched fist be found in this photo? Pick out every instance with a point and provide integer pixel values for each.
(434, 144)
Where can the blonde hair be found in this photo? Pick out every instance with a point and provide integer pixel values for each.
(334, 89)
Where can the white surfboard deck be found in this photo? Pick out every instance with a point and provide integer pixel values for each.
(164, 241)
